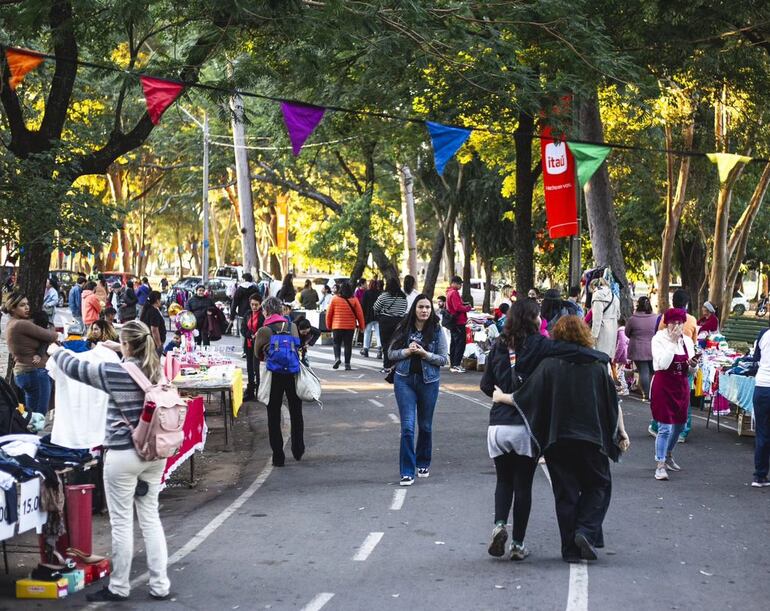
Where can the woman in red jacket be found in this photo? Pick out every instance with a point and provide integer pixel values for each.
(342, 317)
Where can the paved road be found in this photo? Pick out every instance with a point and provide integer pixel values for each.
(335, 531)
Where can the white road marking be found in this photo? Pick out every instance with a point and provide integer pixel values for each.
(399, 495)
(713, 421)
(467, 398)
(351, 391)
(394, 418)
(376, 403)
(367, 547)
(318, 602)
(215, 523)
(577, 596)
(360, 376)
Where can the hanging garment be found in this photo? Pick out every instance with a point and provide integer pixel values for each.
(81, 410)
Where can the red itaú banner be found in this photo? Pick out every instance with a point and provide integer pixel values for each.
(559, 185)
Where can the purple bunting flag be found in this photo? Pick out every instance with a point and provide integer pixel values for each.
(300, 121)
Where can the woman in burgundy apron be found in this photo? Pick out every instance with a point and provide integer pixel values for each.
(673, 355)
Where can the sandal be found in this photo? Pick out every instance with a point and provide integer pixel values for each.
(83, 557)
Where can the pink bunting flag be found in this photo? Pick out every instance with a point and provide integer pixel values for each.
(300, 121)
(159, 94)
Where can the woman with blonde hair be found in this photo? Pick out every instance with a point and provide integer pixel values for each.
(123, 468)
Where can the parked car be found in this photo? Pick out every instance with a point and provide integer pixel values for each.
(66, 280)
(477, 292)
(739, 304)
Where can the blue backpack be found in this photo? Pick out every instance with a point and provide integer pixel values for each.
(282, 355)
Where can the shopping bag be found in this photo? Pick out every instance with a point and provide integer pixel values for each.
(308, 384)
(265, 382)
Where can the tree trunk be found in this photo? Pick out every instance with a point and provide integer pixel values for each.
(524, 238)
(434, 265)
(365, 228)
(487, 305)
(382, 261)
(406, 180)
(602, 221)
(467, 239)
(245, 203)
(691, 254)
(674, 208)
(33, 271)
(739, 237)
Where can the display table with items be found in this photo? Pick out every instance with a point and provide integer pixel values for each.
(208, 372)
(721, 378)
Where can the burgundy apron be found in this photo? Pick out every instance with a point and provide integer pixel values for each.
(670, 392)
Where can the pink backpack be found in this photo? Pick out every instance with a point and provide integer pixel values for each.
(163, 435)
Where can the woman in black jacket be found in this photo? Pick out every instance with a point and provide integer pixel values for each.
(514, 357)
(199, 305)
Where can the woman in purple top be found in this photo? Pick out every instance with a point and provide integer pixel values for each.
(640, 329)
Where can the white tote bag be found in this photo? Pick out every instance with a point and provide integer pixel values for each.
(308, 384)
(265, 382)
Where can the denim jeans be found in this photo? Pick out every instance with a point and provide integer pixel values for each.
(372, 327)
(762, 423)
(668, 434)
(36, 386)
(416, 401)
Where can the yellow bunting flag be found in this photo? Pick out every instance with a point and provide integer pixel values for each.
(19, 63)
(725, 162)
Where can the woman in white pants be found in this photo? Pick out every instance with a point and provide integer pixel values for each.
(123, 468)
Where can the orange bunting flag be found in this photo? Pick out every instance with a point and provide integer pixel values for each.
(159, 94)
(19, 63)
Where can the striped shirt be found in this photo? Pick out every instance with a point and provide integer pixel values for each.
(390, 305)
(126, 398)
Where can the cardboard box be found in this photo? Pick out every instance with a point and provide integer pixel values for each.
(96, 571)
(76, 580)
(32, 588)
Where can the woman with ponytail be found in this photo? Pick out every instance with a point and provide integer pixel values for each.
(128, 480)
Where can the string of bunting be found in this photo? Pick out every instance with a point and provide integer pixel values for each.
(302, 118)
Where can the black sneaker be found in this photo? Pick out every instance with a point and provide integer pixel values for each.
(587, 551)
(337, 364)
(406, 481)
(161, 596)
(760, 482)
(105, 595)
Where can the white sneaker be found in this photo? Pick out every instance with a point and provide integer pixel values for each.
(661, 473)
(455, 369)
(406, 481)
(423, 472)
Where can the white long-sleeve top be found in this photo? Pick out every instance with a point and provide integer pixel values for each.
(664, 350)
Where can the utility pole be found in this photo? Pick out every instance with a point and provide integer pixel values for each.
(243, 181)
(205, 254)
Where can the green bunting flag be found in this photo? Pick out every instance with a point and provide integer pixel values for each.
(588, 158)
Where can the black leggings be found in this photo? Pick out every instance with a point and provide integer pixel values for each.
(514, 486)
(343, 337)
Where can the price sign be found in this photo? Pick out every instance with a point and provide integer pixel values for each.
(31, 514)
(6, 530)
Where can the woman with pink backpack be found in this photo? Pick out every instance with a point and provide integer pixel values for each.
(124, 469)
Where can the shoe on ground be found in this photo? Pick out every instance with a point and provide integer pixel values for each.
(760, 482)
(423, 472)
(518, 551)
(364, 353)
(652, 432)
(406, 481)
(348, 367)
(379, 354)
(337, 364)
(661, 473)
(105, 595)
(682, 439)
(161, 596)
(497, 545)
(587, 551)
(384, 370)
(671, 464)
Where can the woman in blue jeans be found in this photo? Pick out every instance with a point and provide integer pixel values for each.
(418, 350)
(27, 343)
